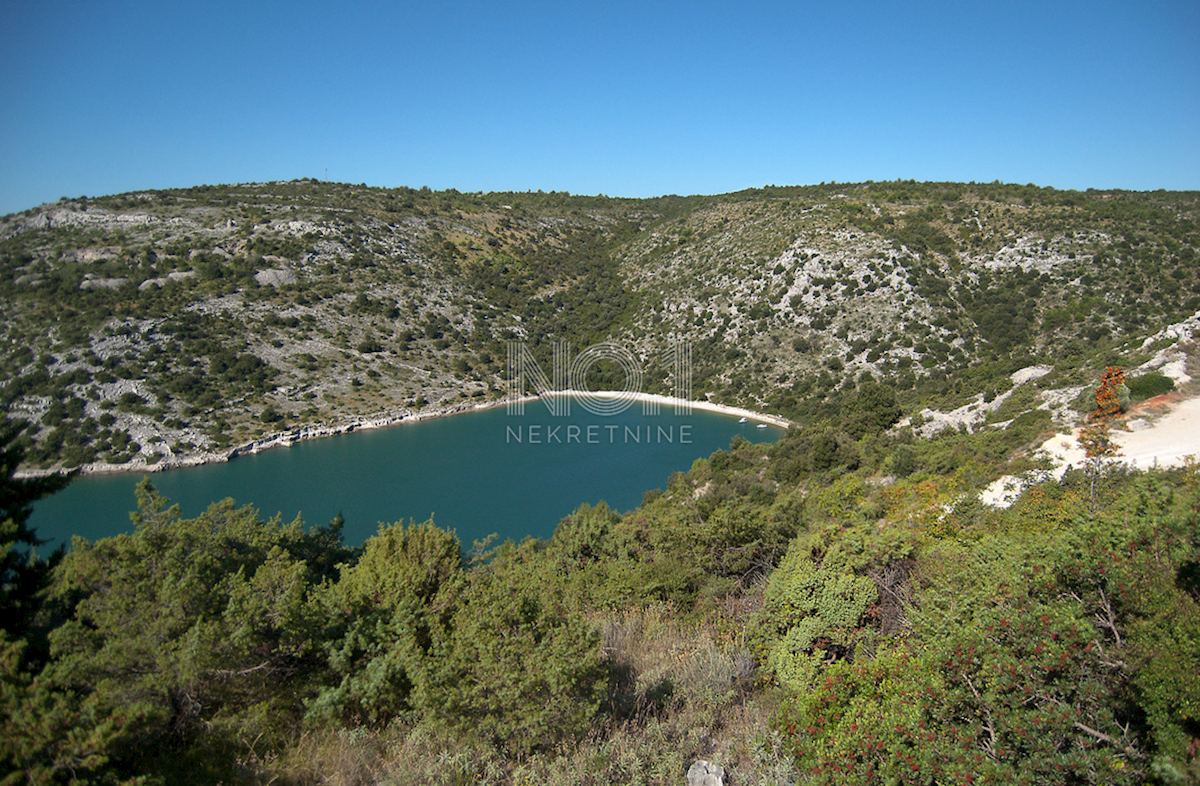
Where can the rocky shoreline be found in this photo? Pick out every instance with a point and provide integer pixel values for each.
(304, 433)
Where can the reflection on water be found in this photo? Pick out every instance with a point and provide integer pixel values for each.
(477, 473)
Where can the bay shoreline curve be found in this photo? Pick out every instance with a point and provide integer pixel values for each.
(305, 433)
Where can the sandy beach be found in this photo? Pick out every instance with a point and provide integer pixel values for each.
(303, 433)
(670, 401)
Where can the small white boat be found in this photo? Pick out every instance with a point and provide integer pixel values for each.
(761, 425)
(743, 420)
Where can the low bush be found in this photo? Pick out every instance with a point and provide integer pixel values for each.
(1149, 385)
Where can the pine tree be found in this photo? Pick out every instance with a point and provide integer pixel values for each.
(23, 573)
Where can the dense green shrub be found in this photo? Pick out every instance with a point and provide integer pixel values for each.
(814, 609)
(390, 615)
(1149, 385)
(1031, 658)
(872, 409)
(523, 669)
(184, 636)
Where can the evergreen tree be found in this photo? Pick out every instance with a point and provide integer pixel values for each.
(23, 574)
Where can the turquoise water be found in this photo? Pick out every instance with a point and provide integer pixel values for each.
(478, 473)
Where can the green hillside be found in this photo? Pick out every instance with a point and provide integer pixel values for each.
(170, 326)
(838, 607)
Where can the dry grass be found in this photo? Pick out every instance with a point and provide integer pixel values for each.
(400, 756)
(680, 691)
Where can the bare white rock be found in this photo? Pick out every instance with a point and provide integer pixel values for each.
(275, 277)
(705, 773)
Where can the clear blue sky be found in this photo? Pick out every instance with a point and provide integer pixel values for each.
(621, 98)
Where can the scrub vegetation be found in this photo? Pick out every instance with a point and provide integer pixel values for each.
(164, 327)
(825, 609)
(838, 607)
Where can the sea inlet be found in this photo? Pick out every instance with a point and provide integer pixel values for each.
(478, 472)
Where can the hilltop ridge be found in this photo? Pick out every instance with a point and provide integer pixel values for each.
(173, 326)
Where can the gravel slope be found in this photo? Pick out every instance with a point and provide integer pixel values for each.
(1166, 442)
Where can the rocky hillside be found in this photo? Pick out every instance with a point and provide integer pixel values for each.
(164, 327)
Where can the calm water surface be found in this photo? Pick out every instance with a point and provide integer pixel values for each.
(478, 473)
